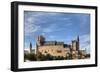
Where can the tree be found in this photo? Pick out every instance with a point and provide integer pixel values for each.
(31, 57)
(30, 47)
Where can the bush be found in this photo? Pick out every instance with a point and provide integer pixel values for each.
(31, 57)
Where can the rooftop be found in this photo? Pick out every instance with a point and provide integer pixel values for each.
(53, 43)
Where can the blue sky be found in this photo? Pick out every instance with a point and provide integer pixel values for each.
(56, 26)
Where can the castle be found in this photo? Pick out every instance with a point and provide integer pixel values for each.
(58, 48)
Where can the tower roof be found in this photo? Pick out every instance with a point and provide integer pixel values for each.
(78, 38)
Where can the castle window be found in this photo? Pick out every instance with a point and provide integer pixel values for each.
(45, 51)
(59, 51)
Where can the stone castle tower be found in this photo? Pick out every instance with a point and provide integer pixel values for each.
(75, 48)
(40, 42)
(75, 44)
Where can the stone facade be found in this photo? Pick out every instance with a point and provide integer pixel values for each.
(56, 48)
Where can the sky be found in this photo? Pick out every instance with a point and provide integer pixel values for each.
(56, 26)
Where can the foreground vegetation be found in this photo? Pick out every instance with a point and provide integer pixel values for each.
(41, 57)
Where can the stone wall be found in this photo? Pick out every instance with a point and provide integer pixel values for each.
(54, 50)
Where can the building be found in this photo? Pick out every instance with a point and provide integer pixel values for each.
(58, 48)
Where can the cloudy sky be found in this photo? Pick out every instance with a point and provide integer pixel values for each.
(56, 26)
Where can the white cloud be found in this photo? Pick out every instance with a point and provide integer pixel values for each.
(42, 14)
(31, 28)
(43, 34)
(66, 18)
(51, 28)
(30, 25)
(47, 30)
(30, 20)
(52, 37)
(85, 38)
(85, 42)
(32, 17)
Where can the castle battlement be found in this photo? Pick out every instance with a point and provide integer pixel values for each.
(53, 43)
